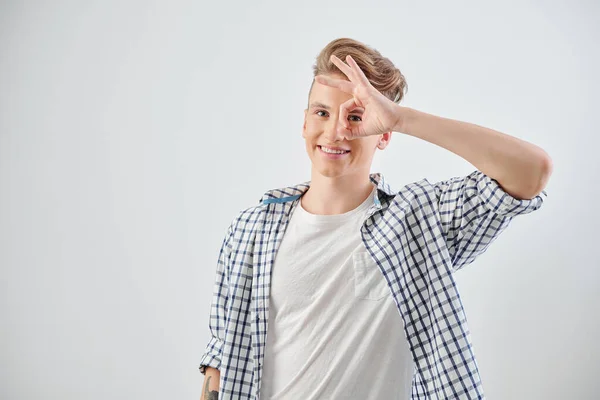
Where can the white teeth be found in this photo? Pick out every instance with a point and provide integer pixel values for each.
(326, 150)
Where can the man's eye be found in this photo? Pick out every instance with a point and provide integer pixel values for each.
(359, 119)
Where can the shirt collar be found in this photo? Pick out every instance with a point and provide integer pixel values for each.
(291, 193)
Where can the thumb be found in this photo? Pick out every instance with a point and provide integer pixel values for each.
(344, 126)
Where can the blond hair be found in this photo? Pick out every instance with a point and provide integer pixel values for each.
(379, 70)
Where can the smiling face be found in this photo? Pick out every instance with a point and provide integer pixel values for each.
(320, 129)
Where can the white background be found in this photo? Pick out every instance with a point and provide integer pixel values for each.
(131, 133)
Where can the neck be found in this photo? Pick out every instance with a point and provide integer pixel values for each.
(336, 195)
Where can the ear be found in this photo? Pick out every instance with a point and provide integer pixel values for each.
(384, 140)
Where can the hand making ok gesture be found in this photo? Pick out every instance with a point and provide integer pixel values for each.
(380, 114)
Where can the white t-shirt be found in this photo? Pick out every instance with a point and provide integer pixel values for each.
(334, 331)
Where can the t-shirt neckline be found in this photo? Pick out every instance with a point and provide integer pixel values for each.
(335, 218)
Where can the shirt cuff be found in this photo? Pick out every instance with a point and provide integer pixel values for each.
(212, 355)
(497, 200)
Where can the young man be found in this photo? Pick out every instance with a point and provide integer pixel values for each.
(341, 287)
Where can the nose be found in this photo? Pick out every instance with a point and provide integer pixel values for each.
(331, 131)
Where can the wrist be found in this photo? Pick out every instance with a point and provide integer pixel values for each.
(405, 115)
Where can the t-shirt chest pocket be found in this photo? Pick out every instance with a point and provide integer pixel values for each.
(369, 283)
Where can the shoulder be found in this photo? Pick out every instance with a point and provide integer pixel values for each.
(246, 218)
(417, 192)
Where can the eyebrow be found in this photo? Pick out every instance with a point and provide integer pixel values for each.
(317, 104)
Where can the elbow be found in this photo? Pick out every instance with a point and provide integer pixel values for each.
(546, 168)
(542, 175)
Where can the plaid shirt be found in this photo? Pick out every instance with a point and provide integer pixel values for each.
(419, 236)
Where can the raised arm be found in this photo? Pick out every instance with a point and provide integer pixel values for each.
(521, 168)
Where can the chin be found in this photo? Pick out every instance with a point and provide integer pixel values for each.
(330, 172)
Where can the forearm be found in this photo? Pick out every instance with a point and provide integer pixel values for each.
(521, 168)
(210, 387)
